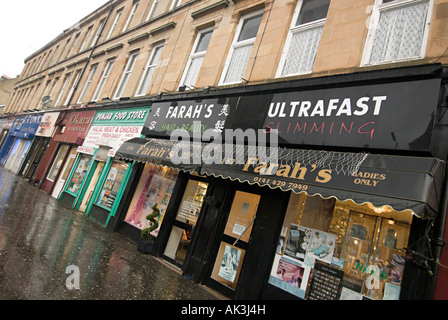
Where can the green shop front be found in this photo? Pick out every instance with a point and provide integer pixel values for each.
(96, 182)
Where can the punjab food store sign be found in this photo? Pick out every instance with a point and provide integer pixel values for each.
(113, 127)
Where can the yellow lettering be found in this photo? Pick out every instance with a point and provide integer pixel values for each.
(323, 176)
(283, 171)
(249, 162)
(296, 169)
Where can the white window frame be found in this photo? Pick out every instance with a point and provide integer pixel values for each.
(74, 44)
(114, 25)
(150, 65)
(236, 44)
(86, 38)
(378, 8)
(195, 55)
(106, 72)
(72, 88)
(126, 74)
(97, 34)
(153, 9)
(175, 4)
(293, 29)
(88, 82)
(131, 15)
(64, 85)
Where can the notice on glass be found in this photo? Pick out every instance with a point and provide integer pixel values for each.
(242, 214)
(326, 283)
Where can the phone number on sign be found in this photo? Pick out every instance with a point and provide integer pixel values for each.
(280, 183)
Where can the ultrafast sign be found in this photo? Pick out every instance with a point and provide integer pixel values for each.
(382, 116)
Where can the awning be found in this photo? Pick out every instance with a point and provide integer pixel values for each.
(403, 183)
(156, 151)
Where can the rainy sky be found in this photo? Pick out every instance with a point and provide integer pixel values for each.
(27, 25)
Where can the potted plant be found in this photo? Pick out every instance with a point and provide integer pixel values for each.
(146, 241)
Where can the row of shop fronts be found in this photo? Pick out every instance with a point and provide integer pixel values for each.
(340, 214)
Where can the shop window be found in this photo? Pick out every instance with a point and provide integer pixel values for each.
(197, 55)
(155, 187)
(78, 176)
(303, 38)
(112, 184)
(398, 31)
(57, 163)
(330, 249)
(241, 48)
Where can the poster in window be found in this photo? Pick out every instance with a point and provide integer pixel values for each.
(228, 265)
(298, 241)
(290, 275)
(322, 246)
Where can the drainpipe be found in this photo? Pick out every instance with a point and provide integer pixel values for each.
(438, 241)
(91, 52)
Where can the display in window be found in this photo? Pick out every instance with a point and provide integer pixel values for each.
(365, 244)
(192, 202)
(112, 185)
(155, 186)
(79, 174)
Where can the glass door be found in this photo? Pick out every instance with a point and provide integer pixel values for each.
(91, 187)
(20, 155)
(234, 240)
(187, 216)
(64, 173)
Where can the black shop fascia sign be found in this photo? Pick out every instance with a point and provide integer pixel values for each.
(392, 116)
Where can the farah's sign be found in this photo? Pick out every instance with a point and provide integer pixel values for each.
(165, 117)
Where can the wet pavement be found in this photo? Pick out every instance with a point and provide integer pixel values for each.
(43, 244)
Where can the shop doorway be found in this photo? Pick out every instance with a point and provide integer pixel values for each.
(233, 241)
(92, 183)
(17, 155)
(183, 226)
(34, 156)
